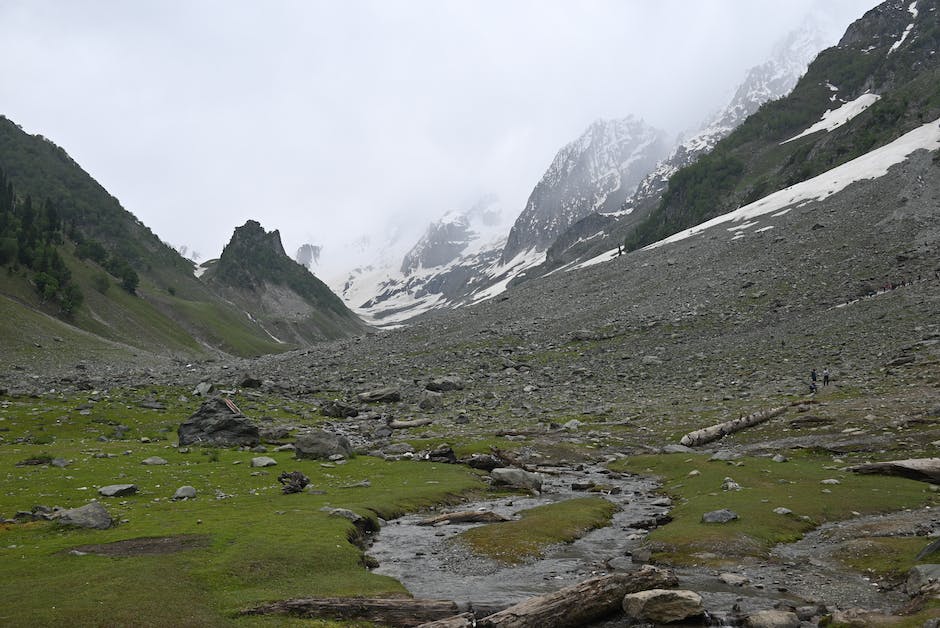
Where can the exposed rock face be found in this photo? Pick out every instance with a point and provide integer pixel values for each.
(596, 172)
(320, 444)
(663, 605)
(92, 515)
(218, 425)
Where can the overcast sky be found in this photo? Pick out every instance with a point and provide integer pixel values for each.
(330, 120)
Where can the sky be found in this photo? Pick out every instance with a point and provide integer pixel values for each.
(334, 120)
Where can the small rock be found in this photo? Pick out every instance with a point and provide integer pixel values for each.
(387, 394)
(517, 478)
(184, 492)
(153, 460)
(444, 384)
(772, 619)
(733, 579)
(263, 461)
(663, 605)
(117, 490)
(830, 481)
(783, 511)
(779, 458)
(719, 516)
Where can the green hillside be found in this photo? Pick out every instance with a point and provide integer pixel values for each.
(70, 251)
(753, 162)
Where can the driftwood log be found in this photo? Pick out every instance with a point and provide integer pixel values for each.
(465, 516)
(403, 612)
(714, 432)
(400, 425)
(923, 469)
(572, 606)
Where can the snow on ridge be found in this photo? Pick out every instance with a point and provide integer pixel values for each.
(834, 118)
(871, 165)
(912, 9)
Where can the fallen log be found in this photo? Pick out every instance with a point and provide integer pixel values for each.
(922, 469)
(714, 432)
(400, 425)
(404, 612)
(465, 516)
(576, 605)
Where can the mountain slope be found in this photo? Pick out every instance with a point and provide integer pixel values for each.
(768, 81)
(288, 301)
(596, 172)
(887, 58)
(135, 291)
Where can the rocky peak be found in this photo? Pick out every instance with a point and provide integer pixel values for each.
(596, 171)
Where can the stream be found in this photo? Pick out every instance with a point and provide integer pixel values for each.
(426, 561)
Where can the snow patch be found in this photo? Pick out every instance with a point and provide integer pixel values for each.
(912, 9)
(834, 118)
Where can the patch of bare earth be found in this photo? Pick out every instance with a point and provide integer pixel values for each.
(146, 546)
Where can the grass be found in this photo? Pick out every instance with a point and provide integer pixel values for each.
(263, 545)
(885, 557)
(766, 485)
(516, 542)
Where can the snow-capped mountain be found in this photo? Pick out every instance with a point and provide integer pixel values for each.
(596, 172)
(455, 261)
(768, 81)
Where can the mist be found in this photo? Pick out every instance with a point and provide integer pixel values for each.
(331, 121)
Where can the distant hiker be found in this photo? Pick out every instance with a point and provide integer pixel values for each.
(825, 377)
(812, 376)
(619, 250)
(812, 387)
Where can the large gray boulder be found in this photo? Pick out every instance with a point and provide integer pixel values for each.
(921, 577)
(663, 606)
(719, 516)
(218, 424)
(320, 444)
(117, 490)
(337, 409)
(517, 478)
(92, 515)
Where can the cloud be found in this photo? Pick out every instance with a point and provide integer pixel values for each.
(328, 120)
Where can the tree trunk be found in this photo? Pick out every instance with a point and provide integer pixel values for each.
(573, 606)
(714, 432)
(465, 516)
(390, 611)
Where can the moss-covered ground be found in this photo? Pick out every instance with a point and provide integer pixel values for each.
(262, 545)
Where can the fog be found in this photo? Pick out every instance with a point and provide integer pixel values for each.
(334, 120)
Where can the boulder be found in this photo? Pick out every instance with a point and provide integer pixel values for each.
(248, 381)
(733, 579)
(117, 490)
(719, 516)
(184, 492)
(387, 393)
(203, 389)
(442, 453)
(91, 515)
(923, 469)
(663, 605)
(153, 460)
(263, 461)
(320, 444)
(219, 424)
(921, 576)
(443, 384)
(772, 619)
(517, 478)
(274, 433)
(336, 409)
(431, 400)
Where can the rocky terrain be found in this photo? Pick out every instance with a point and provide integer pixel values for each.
(623, 358)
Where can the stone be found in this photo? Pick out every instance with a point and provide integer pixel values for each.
(218, 424)
(783, 511)
(677, 449)
(387, 394)
(263, 461)
(60, 462)
(203, 389)
(153, 460)
(733, 579)
(92, 515)
(725, 455)
(345, 513)
(293, 482)
(484, 462)
(117, 490)
(830, 481)
(719, 516)
(663, 605)
(444, 384)
(571, 426)
(184, 492)
(273, 434)
(431, 400)
(921, 576)
(772, 619)
(730, 485)
(336, 409)
(320, 444)
(442, 453)
(517, 478)
(249, 382)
